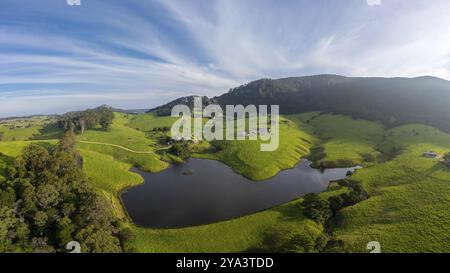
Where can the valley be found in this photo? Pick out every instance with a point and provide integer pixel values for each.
(409, 195)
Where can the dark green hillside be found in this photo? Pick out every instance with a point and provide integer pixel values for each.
(393, 101)
(166, 109)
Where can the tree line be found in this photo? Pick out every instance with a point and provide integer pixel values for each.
(321, 210)
(79, 122)
(287, 240)
(393, 101)
(46, 201)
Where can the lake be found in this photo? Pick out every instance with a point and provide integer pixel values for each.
(213, 193)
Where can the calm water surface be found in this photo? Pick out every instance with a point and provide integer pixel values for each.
(171, 199)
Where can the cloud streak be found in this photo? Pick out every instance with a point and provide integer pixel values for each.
(373, 2)
(138, 54)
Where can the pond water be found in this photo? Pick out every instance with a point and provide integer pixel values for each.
(204, 191)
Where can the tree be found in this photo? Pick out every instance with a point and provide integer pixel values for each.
(67, 142)
(126, 237)
(317, 153)
(79, 122)
(219, 145)
(447, 159)
(287, 240)
(316, 208)
(106, 117)
(7, 223)
(46, 201)
(97, 240)
(181, 149)
(336, 203)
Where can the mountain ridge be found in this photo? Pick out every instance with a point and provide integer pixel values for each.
(392, 101)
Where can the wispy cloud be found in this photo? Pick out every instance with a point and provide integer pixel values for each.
(373, 2)
(137, 54)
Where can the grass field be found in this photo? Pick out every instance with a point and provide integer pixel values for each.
(147, 122)
(123, 135)
(409, 195)
(408, 210)
(110, 177)
(246, 157)
(120, 134)
(346, 141)
(21, 129)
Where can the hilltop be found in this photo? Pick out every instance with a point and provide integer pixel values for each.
(392, 101)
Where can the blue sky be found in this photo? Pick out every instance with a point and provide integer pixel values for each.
(141, 53)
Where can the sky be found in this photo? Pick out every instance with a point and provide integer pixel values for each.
(135, 54)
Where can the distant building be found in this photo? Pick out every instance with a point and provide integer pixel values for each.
(430, 154)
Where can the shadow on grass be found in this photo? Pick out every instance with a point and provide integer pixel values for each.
(49, 131)
(98, 129)
(5, 160)
(437, 167)
(290, 212)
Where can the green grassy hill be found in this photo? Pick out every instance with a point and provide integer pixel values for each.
(246, 158)
(20, 129)
(393, 101)
(147, 122)
(408, 210)
(123, 135)
(345, 141)
(409, 195)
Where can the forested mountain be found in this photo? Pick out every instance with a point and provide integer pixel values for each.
(166, 109)
(393, 101)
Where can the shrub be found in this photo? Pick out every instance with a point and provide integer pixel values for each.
(181, 149)
(336, 203)
(368, 157)
(447, 159)
(284, 240)
(356, 195)
(316, 208)
(219, 145)
(317, 153)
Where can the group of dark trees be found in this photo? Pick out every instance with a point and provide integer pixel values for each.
(287, 240)
(219, 145)
(166, 110)
(316, 208)
(46, 202)
(181, 149)
(447, 159)
(79, 122)
(321, 210)
(161, 129)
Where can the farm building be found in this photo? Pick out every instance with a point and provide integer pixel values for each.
(430, 154)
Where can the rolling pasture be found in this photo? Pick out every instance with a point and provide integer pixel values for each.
(409, 194)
